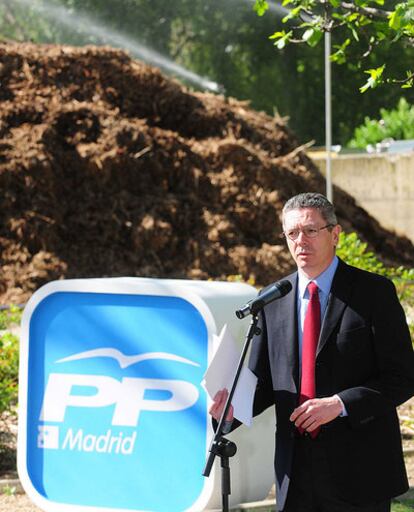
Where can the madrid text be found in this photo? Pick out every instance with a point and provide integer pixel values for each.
(105, 443)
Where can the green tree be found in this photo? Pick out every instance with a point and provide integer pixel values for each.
(9, 361)
(224, 41)
(365, 24)
(397, 124)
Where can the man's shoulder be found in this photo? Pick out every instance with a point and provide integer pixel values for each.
(362, 276)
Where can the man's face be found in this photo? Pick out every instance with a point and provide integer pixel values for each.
(312, 255)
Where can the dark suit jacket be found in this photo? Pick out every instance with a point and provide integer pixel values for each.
(364, 355)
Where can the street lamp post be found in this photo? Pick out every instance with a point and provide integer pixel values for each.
(328, 115)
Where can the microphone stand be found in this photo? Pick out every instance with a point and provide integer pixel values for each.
(221, 446)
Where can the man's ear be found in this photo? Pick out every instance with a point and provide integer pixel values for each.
(336, 230)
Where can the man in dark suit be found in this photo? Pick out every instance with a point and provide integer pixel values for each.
(335, 358)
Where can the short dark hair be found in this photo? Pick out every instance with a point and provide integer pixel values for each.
(312, 200)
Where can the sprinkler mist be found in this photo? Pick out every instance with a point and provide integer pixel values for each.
(89, 26)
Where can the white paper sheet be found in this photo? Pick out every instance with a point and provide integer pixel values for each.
(220, 374)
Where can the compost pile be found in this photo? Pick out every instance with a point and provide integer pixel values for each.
(108, 168)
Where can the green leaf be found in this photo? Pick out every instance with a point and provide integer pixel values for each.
(402, 17)
(277, 35)
(312, 36)
(260, 7)
(395, 19)
(300, 68)
(375, 78)
(335, 3)
(340, 55)
(380, 36)
(354, 33)
(369, 84)
(293, 13)
(352, 17)
(281, 38)
(409, 84)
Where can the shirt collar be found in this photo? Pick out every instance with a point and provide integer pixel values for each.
(323, 280)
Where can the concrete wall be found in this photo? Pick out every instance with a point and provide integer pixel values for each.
(383, 184)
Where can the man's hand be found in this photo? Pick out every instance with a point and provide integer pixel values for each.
(216, 410)
(316, 412)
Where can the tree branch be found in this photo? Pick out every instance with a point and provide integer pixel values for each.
(369, 12)
(409, 78)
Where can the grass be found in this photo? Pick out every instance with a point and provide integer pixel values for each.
(404, 503)
(403, 507)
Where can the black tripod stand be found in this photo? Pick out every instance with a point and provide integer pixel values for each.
(221, 446)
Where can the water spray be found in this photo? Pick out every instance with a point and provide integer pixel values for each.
(88, 25)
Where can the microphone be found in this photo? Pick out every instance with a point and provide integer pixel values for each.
(275, 291)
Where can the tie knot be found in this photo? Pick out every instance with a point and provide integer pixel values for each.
(313, 288)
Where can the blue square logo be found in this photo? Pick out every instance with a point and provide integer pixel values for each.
(114, 414)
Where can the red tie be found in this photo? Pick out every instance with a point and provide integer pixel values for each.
(311, 330)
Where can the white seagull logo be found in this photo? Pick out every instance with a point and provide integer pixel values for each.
(123, 360)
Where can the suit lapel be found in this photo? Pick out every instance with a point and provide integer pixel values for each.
(290, 328)
(338, 298)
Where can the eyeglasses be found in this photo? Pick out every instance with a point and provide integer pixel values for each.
(293, 234)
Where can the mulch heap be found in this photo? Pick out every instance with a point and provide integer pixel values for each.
(108, 168)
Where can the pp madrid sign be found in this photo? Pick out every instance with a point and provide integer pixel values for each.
(112, 415)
